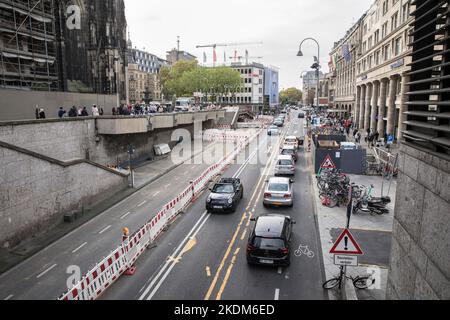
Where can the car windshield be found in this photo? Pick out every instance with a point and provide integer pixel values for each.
(285, 163)
(268, 243)
(287, 152)
(278, 187)
(223, 188)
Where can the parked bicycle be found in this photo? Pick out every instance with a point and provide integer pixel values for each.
(360, 282)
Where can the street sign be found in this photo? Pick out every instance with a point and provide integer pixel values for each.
(346, 245)
(344, 260)
(328, 163)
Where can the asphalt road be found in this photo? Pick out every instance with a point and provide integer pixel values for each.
(44, 275)
(203, 256)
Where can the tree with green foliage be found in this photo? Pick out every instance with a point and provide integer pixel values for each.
(291, 96)
(185, 78)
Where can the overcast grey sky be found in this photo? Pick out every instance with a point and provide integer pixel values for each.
(281, 26)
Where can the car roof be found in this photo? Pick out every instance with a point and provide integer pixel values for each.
(281, 157)
(270, 225)
(279, 180)
(291, 138)
(288, 147)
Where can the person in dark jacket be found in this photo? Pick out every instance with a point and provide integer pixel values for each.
(61, 112)
(37, 112)
(73, 113)
(114, 111)
(84, 113)
(42, 114)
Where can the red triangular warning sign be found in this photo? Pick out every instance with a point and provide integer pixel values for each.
(346, 244)
(328, 163)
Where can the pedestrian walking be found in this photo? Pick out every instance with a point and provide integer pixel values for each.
(61, 112)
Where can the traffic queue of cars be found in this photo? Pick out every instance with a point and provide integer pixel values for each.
(269, 242)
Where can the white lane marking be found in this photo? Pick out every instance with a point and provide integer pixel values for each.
(174, 263)
(194, 230)
(40, 275)
(8, 297)
(77, 249)
(142, 203)
(175, 253)
(104, 230)
(125, 215)
(280, 270)
(156, 193)
(277, 294)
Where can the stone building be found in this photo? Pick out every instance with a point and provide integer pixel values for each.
(93, 46)
(174, 55)
(344, 55)
(420, 257)
(382, 67)
(310, 86)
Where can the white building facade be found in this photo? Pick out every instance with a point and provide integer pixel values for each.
(381, 82)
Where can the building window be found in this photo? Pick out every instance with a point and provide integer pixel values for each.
(377, 57)
(385, 7)
(387, 52)
(394, 21)
(384, 30)
(405, 11)
(398, 46)
(377, 36)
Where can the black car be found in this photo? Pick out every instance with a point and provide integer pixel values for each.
(269, 241)
(301, 115)
(225, 196)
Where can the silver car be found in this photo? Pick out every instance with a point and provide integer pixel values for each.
(279, 192)
(285, 166)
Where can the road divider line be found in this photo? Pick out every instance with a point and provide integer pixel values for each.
(105, 229)
(79, 248)
(208, 272)
(47, 270)
(8, 297)
(233, 240)
(227, 275)
(280, 270)
(125, 215)
(174, 254)
(277, 294)
(243, 235)
(155, 290)
(142, 203)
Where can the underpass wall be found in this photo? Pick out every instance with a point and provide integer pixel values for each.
(36, 191)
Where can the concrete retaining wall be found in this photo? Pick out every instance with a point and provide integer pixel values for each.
(420, 257)
(20, 105)
(36, 191)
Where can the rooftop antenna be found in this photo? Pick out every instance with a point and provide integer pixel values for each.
(178, 48)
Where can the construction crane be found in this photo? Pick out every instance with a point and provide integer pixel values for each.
(247, 57)
(215, 45)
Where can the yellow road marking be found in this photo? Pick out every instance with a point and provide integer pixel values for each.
(208, 272)
(244, 234)
(233, 240)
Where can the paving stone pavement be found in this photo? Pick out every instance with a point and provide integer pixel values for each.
(332, 218)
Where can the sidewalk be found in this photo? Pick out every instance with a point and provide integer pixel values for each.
(373, 233)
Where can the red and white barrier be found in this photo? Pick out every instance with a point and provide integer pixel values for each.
(104, 274)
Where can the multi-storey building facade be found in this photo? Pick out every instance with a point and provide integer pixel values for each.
(381, 69)
(310, 87)
(252, 90)
(271, 87)
(344, 55)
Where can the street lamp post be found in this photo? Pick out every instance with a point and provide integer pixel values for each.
(300, 54)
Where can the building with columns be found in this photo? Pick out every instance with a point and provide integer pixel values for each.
(343, 68)
(381, 75)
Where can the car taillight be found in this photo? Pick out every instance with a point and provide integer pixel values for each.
(267, 195)
(287, 196)
(285, 250)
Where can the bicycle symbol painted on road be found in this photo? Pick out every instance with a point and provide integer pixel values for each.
(304, 250)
